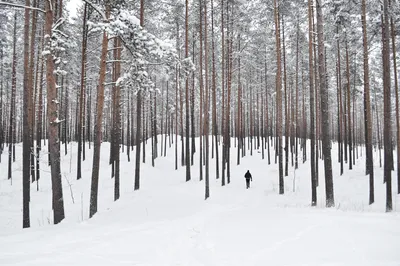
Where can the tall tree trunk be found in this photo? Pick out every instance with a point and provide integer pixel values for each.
(312, 112)
(129, 143)
(296, 165)
(2, 124)
(286, 101)
(396, 88)
(251, 115)
(66, 119)
(81, 95)
(340, 124)
(239, 114)
(85, 113)
(183, 160)
(39, 127)
(206, 108)
(223, 91)
(53, 122)
(278, 97)
(117, 121)
(367, 108)
(316, 100)
(326, 139)
(192, 119)
(349, 137)
(304, 117)
(26, 143)
(152, 132)
(187, 127)
(31, 89)
(98, 125)
(214, 93)
(201, 126)
(139, 117)
(176, 116)
(162, 130)
(267, 120)
(145, 126)
(89, 120)
(387, 132)
(229, 87)
(11, 124)
(112, 116)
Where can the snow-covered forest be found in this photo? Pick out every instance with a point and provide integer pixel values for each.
(134, 122)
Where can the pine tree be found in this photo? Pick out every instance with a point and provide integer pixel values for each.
(312, 118)
(367, 108)
(279, 96)
(326, 139)
(26, 125)
(187, 128)
(52, 110)
(94, 188)
(387, 136)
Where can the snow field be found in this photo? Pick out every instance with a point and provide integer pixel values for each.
(168, 222)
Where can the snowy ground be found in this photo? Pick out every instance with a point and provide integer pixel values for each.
(168, 222)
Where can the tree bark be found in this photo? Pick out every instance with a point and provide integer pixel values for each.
(81, 95)
(326, 137)
(201, 126)
(11, 123)
(26, 125)
(367, 107)
(223, 92)
(139, 117)
(279, 96)
(214, 95)
(296, 164)
(312, 111)
(31, 89)
(206, 111)
(387, 133)
(98, 125)
(187, 127)
(286, 101)
(348, 118)
(52, 114)
(396, 89)
(2, 124)
(340, 124)
(39, 128)
(117, 121)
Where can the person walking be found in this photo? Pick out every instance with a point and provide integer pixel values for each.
(248, 178)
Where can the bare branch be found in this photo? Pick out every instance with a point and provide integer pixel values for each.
(98, 10)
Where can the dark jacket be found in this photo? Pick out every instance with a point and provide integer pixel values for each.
(248, 175)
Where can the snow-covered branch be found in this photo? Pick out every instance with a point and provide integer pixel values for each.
(115, 48)
(109, 83)
(21, 6)
(58, 23)
(57, 121)
(61, 33)
(114, 61)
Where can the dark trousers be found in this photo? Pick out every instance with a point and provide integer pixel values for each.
(247, 183)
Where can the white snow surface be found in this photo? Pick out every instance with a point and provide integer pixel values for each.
(168, 222)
